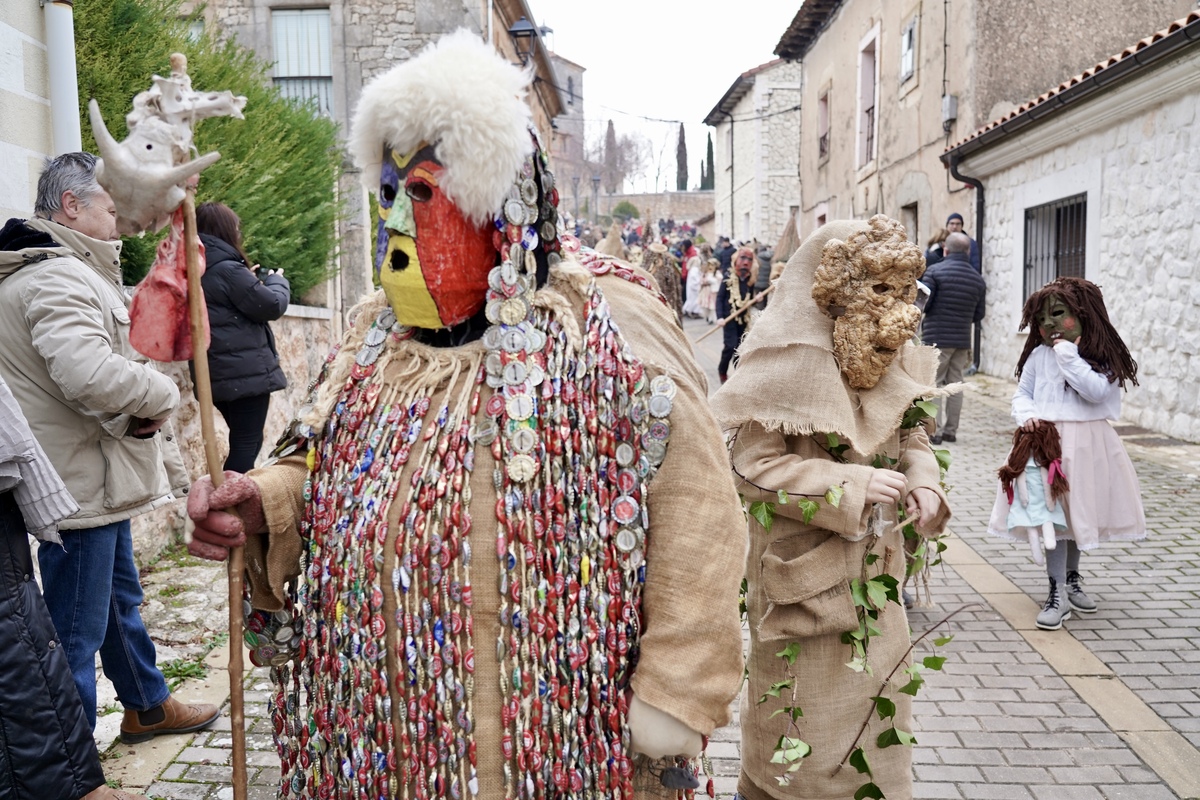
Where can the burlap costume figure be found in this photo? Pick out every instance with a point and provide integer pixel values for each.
(487, 541)
(663, 267)
(788, 392)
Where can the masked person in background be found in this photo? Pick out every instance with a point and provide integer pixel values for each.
(825, 378)
(483, 563)
(737, 289)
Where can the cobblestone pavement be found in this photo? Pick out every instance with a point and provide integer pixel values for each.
(1106, 708)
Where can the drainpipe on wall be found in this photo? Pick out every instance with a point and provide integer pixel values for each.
(64, 83)
(978, 184)
(732, 158)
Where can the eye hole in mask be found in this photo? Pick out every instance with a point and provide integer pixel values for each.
(419, 191)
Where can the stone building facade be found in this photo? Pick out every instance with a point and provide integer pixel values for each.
(567, 147)
(755, 185)
(25, 121)
(1104, 186)
(888, 85)
(347, 42)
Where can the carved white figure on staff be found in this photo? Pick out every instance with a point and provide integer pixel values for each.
(145, 174)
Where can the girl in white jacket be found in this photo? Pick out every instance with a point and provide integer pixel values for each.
(1071, 373)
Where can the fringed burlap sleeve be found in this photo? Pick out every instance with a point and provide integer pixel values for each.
(690, 664)
(691, 659)
(921, 468)
(273, 558)
(764, 464)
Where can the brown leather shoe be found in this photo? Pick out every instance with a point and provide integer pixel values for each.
(171, 717)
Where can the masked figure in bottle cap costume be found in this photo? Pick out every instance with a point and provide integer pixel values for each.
(483, 565)
(825, 379)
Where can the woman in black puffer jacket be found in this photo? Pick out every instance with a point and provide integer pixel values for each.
(243, 363)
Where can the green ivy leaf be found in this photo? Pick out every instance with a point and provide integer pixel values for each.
(870, 558)
(783, 497)
(833, 495)
(808, 509)
(789, 653)
(918, 411)
(934, 662)
(877, 594)
(858, 593)
(868, 791)
(894, 736)
(913, 686)
(942, 641)
(764, 512)
(858, 760)
(943, 459)
(776, 690)
(884, 707)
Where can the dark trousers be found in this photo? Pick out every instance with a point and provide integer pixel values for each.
(46, 746)
(732, 333)
(245, 417)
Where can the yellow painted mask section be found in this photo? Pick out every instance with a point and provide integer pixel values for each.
(405, 288)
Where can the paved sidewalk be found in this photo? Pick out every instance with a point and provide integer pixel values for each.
(1106, 708)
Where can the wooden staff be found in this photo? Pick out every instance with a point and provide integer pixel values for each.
(217, 474)
(749, 304)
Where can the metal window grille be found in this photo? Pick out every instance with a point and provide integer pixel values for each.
(869, 135)
(303, 56)
(1055, 241)
(908, 47)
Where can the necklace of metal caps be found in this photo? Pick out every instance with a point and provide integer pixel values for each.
(576, 433)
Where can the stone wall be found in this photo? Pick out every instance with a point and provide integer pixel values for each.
(680, 206)
(304, 337)
(1024, 49)
(1139, 174)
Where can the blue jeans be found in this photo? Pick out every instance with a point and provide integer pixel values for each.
(92, 590)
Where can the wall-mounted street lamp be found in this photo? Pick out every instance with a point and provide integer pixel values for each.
(522, 33)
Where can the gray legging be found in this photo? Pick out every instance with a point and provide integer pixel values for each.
(1062, 559)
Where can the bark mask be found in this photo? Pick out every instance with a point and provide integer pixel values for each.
(430, 259)
(867, 284)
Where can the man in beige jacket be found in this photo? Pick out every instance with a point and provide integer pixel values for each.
(97, 409)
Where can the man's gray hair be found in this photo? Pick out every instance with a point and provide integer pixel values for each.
(957, 243)
(70, 172)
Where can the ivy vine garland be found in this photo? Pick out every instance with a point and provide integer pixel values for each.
(870, 595)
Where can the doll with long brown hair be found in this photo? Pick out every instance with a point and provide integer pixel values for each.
(1070, 377)
(1034, 483)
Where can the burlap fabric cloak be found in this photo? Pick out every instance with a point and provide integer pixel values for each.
(690, 661)
(785, 395)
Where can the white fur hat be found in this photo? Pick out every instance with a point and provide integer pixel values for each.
(461, 96)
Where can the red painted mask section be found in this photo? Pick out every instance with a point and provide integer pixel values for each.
(456, 255)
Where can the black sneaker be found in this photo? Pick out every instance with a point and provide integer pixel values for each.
(935, 439)
(949, 437)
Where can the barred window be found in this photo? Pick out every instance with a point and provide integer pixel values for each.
(908, 50)
(1055, 241)
(303, 56)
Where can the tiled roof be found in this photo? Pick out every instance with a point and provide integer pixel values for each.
(1127, 62)
(806, 27)
(736, 91)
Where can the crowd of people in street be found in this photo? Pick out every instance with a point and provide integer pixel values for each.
(534, 397)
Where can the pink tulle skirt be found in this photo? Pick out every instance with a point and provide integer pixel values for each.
(1105, 500)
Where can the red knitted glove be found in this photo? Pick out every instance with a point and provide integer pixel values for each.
(217, 530)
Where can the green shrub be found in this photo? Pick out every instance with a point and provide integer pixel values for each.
(279, 166)
(625, 211)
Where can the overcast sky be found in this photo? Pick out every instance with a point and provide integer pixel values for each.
(664, 59)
